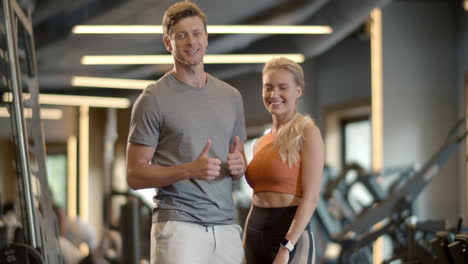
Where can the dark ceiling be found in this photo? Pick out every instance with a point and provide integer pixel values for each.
(59, 51)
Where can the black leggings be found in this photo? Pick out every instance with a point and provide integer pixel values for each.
(264, 232)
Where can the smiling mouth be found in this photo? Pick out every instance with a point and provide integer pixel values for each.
(276, 103)
(191, 51)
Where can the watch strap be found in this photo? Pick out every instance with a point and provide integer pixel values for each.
(287, 244)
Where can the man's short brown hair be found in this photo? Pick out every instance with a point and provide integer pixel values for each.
(178, 11)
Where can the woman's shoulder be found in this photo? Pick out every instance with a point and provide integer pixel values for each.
(310, 128)
(268, 138)
(306, 122)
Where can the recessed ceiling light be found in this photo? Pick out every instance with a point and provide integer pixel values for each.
(46, 113)
(168, 59)
(212, 29)
(109, 82)
(77, 100)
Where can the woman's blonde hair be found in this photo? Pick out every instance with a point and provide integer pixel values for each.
(289, 136)
(286, 64)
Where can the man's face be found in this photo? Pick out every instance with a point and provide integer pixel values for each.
(187, 41)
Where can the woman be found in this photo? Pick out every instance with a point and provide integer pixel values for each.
(285, 173)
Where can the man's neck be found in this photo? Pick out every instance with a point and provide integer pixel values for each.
(193, 76)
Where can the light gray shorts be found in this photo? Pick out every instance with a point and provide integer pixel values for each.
(176, 242)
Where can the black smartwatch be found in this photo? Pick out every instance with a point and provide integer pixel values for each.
(287, 244)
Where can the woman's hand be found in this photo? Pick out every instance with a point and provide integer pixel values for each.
(282, 257)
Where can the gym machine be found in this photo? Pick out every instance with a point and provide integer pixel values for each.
(339, 206)
(37, 241)
(407, 193)
(134, 223)
(352, 230)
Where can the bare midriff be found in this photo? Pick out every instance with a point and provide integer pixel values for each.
(275, 199)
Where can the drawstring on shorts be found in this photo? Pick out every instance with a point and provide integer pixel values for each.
(214, 236)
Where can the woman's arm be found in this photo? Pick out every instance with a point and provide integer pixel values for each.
(312, 160)
(254, 149)
(244, 235)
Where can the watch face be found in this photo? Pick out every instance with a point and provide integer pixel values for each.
(287, 244)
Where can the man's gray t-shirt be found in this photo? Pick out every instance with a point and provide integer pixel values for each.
(178, 119)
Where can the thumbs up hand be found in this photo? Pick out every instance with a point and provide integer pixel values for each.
(235, 160)
(204, 168)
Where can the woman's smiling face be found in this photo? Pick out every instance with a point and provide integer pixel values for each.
(280, 92)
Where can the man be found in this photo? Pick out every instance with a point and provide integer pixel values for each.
(185, 139)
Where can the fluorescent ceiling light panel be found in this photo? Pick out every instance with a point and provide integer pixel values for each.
(127, 59)
(77, 100)
(261, 29)
(109, 82)
(212, 29)
(167, 59)
(46, 113)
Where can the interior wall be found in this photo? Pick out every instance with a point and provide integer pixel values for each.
(54, 130)
(59, 130)
(8, 178)
(419, 95)
(343, 74)
(119, 177)
(308, 104)
(97, 125)
(462, 49)
(341, 81)
(119, 172)
(250, 87)
(463, 161)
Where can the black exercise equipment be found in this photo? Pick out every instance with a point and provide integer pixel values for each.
(17, 57)
(458, 250)
(339, 207)
(135, 227)
(440, 245)
(17, 253)
(408, 193)
(355, 231)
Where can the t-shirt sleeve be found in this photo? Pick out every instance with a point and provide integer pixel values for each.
(239, 126)
(145, 121)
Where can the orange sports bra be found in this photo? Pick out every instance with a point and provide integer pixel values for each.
(267, 172)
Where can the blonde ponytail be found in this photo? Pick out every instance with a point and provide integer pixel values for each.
(289, 138)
